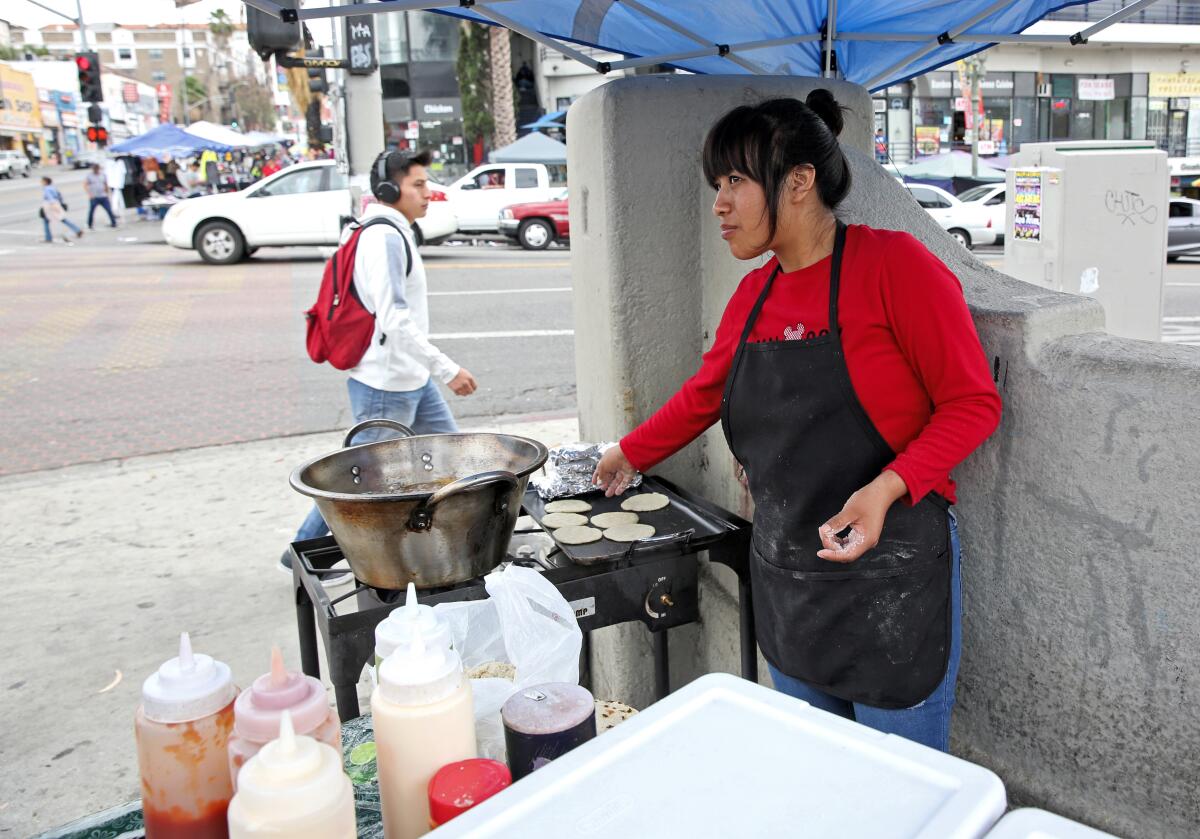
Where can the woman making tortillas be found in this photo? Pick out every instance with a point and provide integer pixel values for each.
(849, 381)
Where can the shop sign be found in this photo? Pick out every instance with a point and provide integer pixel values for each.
(21, 109)
(897, 104)
(1097, 89)
(1175, 84)
(1027, 209)
(360, 45)
(928, 139)
(1183, 166)
(437, 109)
(987, 147)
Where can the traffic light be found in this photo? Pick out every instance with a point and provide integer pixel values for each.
(316, 75)
(95, 115)
(88, 65)
(97, 134)
(267, 33)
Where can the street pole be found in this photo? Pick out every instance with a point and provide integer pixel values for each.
(363, 98)
(82, 29)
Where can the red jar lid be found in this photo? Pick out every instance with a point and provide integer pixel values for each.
(458, 787)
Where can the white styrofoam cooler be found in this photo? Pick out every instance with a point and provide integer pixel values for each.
(724, 757)
(1038, 824)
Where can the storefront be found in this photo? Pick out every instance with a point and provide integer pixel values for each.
(21, 116)
(932, 113)
(421, 105)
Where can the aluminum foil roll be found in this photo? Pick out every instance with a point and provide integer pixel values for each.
(568, 470)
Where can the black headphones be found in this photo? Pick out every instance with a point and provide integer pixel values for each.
(385, 189)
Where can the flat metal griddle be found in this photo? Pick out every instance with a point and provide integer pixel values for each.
(681, 525)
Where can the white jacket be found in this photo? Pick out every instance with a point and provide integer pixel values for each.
(400, 356)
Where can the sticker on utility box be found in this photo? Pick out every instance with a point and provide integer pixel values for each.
(584, 608)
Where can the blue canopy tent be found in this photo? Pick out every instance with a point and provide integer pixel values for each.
(867, 42)
(166, 140)
(558, 119)
(952, 172)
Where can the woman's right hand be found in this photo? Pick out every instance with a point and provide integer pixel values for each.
(614, 472)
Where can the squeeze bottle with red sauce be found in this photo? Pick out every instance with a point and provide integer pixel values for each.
(258, 709)
(182, 729)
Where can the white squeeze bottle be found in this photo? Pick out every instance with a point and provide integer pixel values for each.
(423, 720)
(294, 787)
(396, 630)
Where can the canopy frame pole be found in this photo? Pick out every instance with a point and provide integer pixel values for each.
(944, 38)
(830, 36)
(554, 44)
(1132, 9)
(377, 7)
(723, 49)
(985, 37)
(645, 61)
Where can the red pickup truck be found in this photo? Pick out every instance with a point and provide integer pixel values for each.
(535, 225)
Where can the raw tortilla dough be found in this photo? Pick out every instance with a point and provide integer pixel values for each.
(644, 502)
(553, 521)
(629, 532)
(578, 535)
(568, 505)
(607, 520)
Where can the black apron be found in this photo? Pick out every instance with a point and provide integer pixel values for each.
(877, 630)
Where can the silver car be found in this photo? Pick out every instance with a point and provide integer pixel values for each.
(1183, 228)
(13, 163)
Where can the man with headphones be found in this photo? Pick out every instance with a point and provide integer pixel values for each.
(395, 378)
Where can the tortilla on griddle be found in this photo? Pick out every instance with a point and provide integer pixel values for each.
(576, 535)
(629, 532)
(644, 502)
(553, 521)
(606, 520)
(568, 505)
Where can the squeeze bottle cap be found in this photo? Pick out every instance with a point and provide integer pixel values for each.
(420, 674)
(257, 710)
(292, 774)
(187, 687)
(398, 628)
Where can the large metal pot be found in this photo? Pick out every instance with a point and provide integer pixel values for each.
(433, 509)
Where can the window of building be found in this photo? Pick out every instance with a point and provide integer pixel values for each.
(391, 38)
(187, 52)
(124, 53)
(156, 55)
(394, 78)
(432, 37)
(158, 76)
(527, 178)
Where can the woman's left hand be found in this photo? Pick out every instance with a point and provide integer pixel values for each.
(864, 513)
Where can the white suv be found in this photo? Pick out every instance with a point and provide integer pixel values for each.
(13, 163)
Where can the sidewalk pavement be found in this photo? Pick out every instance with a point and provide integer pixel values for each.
(105, 564)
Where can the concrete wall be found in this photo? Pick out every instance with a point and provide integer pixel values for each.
(1079, 683)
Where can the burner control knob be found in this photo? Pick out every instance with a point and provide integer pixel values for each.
(658, 599)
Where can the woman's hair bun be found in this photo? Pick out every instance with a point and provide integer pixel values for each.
(827, 108)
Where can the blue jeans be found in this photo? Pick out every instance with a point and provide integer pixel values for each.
(927, 722)
(46, 227)
(423, 410)
(103, 204)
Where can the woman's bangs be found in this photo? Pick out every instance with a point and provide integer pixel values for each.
(732, 147)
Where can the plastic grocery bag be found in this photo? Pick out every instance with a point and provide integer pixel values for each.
(524, 622)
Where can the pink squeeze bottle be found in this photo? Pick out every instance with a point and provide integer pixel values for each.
(257, 713)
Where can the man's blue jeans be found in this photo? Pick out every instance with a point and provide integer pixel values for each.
(103, 204)
(928, 722)
(423, 410)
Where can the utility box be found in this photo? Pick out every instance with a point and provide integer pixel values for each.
(1090, 217)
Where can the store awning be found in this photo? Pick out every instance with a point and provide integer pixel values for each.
(558, 119)
(867, 42)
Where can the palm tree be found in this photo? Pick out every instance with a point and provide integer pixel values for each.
(221, 27)
(502, 88)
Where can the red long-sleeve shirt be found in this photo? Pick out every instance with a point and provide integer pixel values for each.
(914, 357)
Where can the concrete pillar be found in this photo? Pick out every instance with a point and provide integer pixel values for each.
(1079, 517)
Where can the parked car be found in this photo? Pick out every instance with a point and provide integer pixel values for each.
(87, 159)
(304, 204)
(478, 197)
(535, 225)
(1183, 228)
(970, 224)
(991, 198)
(436, 225)
(13, 163)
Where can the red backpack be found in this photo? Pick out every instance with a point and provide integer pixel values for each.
(339, 325)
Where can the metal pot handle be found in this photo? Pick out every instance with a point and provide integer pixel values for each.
(377, 423)
(422, 516)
